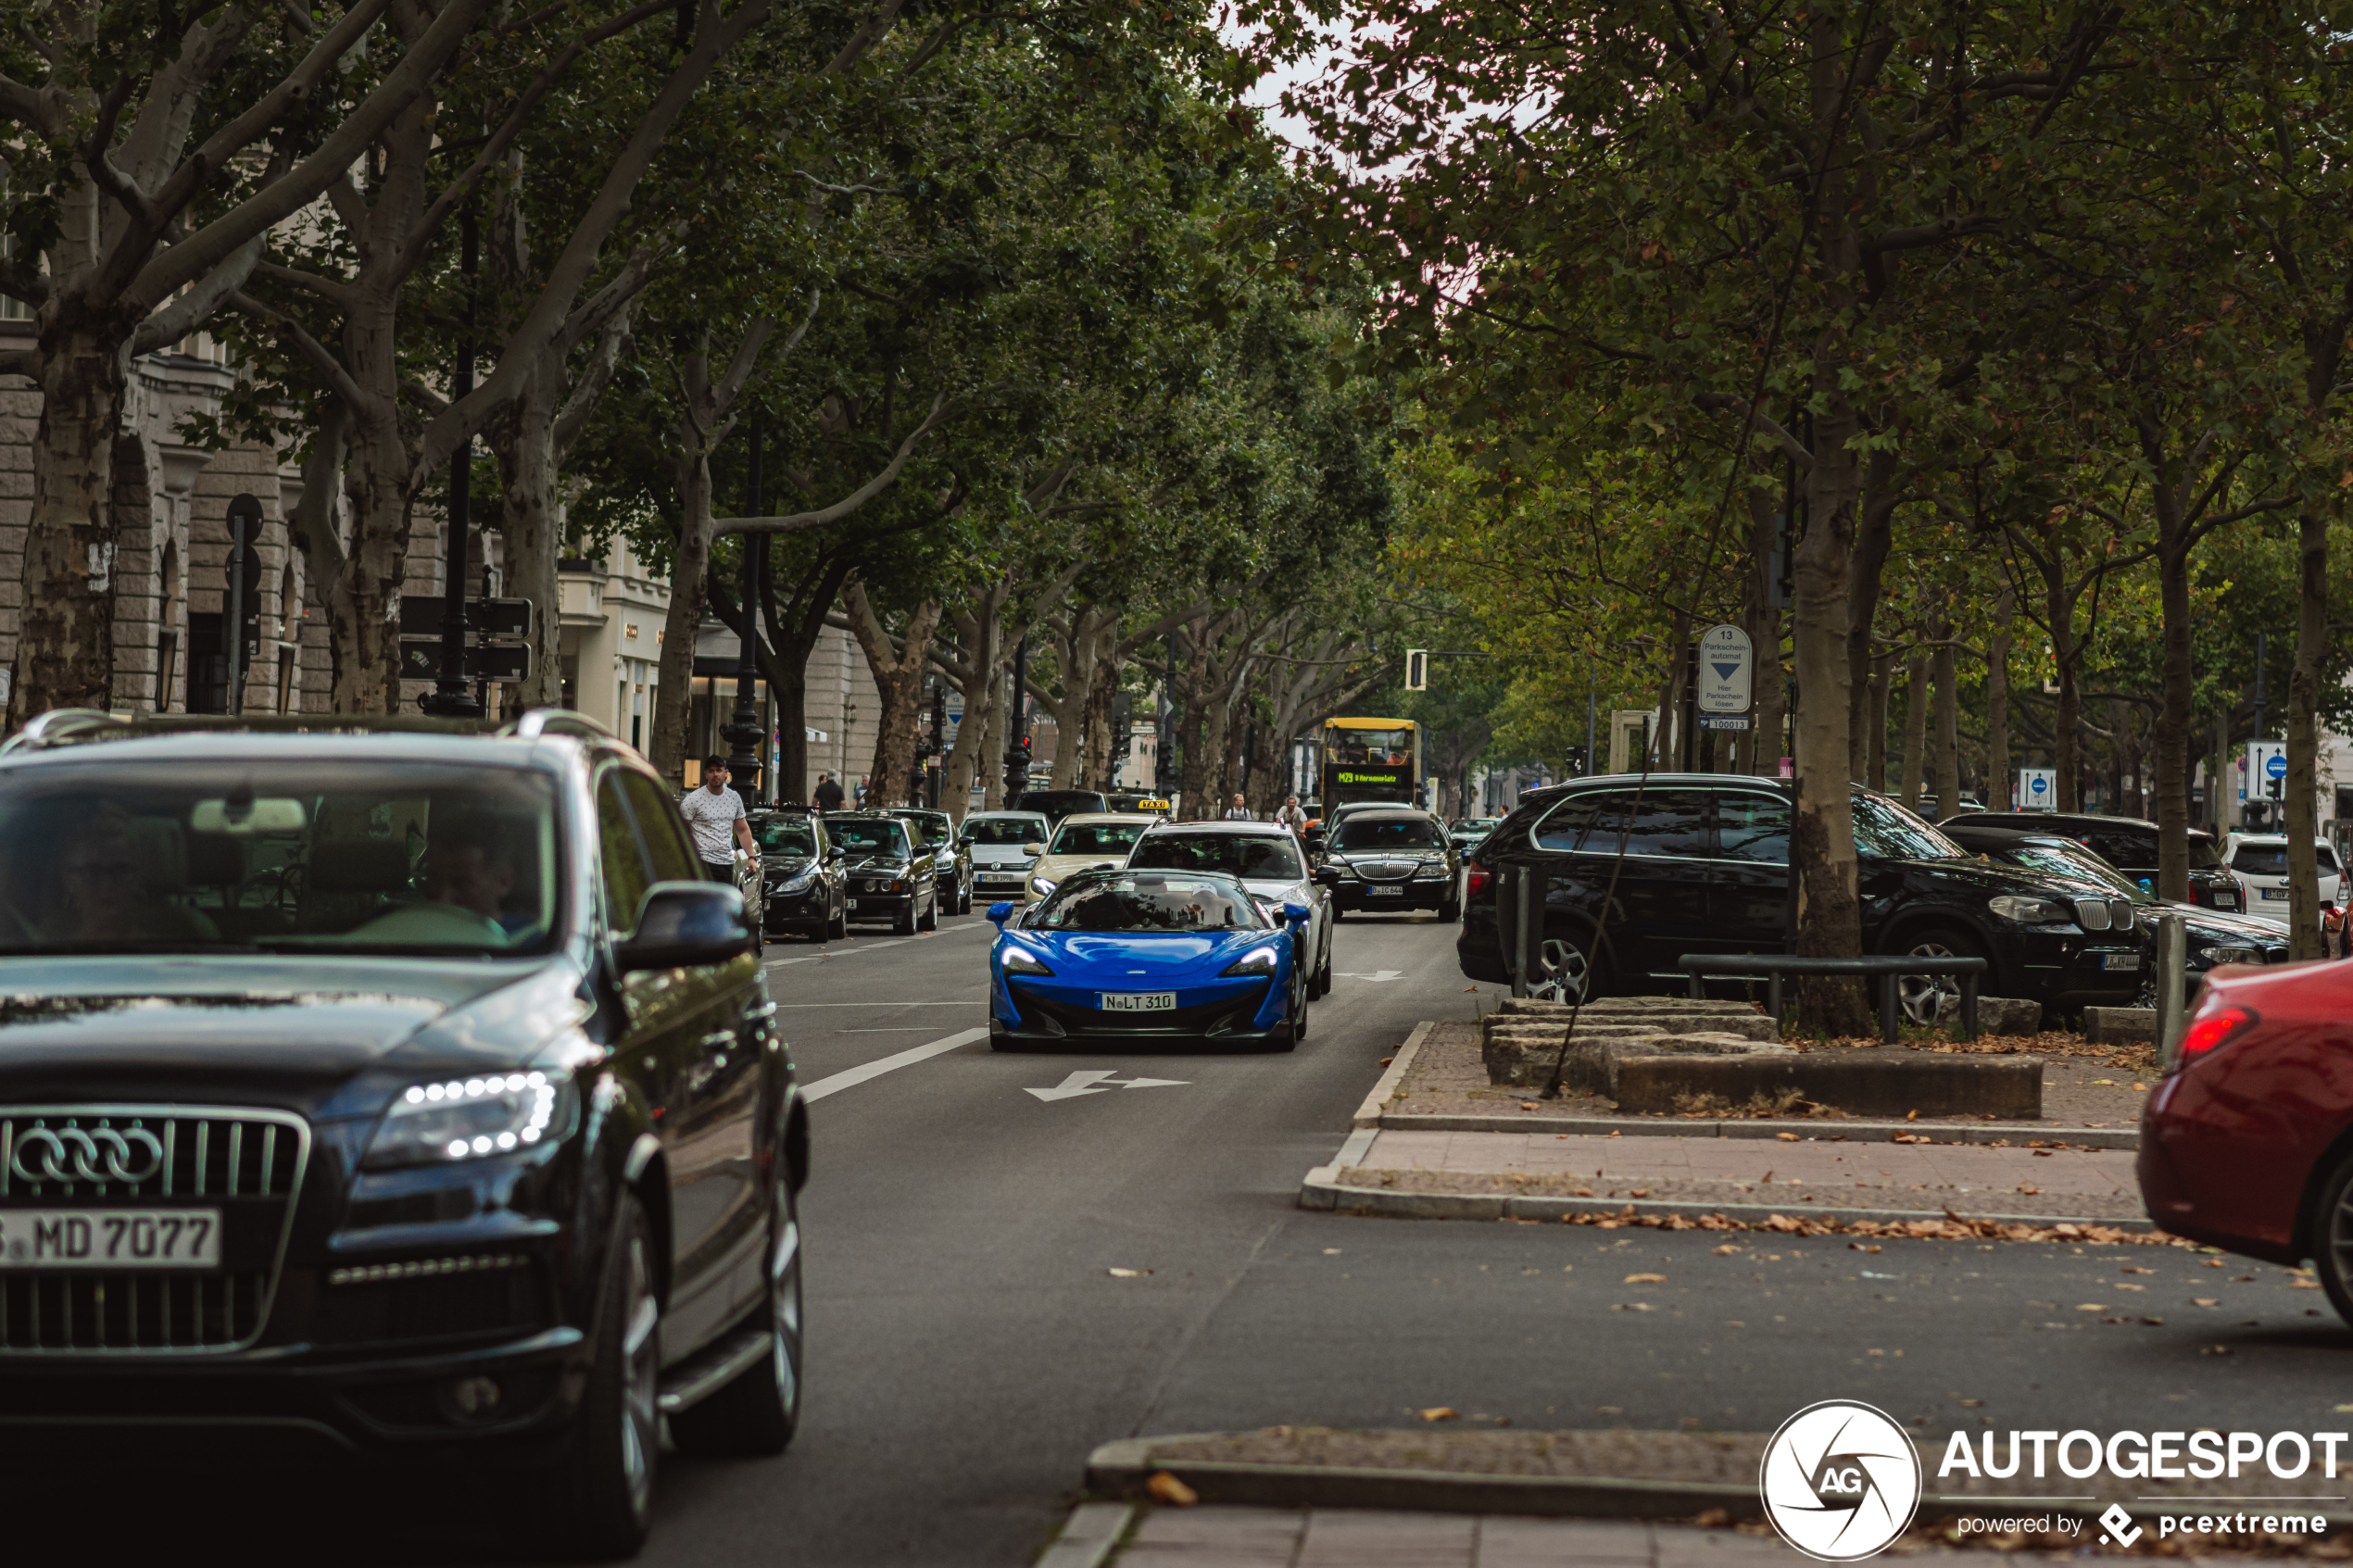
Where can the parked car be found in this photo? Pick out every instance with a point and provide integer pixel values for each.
(2258, 861)
(2211, 937)
(885, 875)
(1391, 857)
(997, 845)
(1089, 839)
(439, 1100)
(1055, 804)
(1705, 869)
(1268, 861)
(2130, 845)
(1132, 802)
(1469, 832)
(2245, 1144)
(951, 862)
(804, 885)
(1928, 807)
(1115, 956)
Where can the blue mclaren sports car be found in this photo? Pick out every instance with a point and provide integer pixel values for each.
(1117, 956)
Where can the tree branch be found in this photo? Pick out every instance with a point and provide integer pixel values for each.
(798, 522)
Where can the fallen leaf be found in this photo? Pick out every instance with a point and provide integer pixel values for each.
(1644, 1279)
(2121, 1284)
(2137, 1269)
(1875, 1353)
(1640, 1192)
(1169, 1490)
(1712, 1519)
(1974, 1404)
(2304, 1285)
(1387, 1059)
(2215, 1350)
(2204, 1301)
(1530, 1105)
(1911, 1116)
(1786, 1138)
(2214, 1262)
(1728, 1250)
(1632, 1307)
(2029, 1191)
(1331, 1251)
(1583, 1192)
(1862, 1247)
(2110, 1082)
(2091, 1306)
(2143, 1087)
(1127, 1273)
(2154, 1322)
(1440, 1412)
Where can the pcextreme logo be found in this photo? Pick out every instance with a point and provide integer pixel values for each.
(1840, 1481)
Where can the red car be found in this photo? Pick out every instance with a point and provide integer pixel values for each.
(2248, 1143)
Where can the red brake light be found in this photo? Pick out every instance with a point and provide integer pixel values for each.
(2208, 1030)
(1479, 877)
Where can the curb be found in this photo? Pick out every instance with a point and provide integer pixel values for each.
(1122, 1469)
(2018, 1134)
(1321, 1189)
(1368, 1113)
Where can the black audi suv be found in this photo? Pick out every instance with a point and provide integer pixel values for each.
(390, 1093)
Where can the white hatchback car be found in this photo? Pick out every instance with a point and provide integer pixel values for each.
(997, 842)
(2257, 861)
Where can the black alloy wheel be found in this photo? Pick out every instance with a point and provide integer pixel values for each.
(599, 1498)
(758, 1414)
(1921, 996)
(2332, 1240)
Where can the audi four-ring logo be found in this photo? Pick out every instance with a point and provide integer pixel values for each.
(87, 1154)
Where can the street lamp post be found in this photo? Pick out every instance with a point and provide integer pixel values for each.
(450, 698)
(746, 731)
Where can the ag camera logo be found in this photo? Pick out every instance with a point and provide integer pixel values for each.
(1841, 1481)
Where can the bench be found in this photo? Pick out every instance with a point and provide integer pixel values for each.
(1887, 970)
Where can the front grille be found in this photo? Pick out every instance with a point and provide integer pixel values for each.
(431, 1299)
(2104, 915)
(248, 1164)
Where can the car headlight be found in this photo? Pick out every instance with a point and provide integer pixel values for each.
(2233, 954)
(1258, 960)
(2029, 910)
(469, 1118)
(1020, 961)
(1042, 887)
(798, 883)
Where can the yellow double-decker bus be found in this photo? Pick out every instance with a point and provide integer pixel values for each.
(1370, 759)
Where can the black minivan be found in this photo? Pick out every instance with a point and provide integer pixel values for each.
(1705, 869)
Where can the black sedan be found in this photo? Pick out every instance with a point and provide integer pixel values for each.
(2127, 842)
(1389, 858)
(2211, 938)
(1700, 863)
(885, 875)
(804, 885)
(951, 864)
(397, 1095)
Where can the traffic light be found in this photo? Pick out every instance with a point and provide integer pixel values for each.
(1417, 669)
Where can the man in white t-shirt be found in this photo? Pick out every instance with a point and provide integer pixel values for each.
(1238, 811)
(1290, 816)
(711, 812)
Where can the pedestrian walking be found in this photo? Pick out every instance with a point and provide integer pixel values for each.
(1238, 812)
(827, 794)
(2332, 931)
(716, 816)
(1289, 815)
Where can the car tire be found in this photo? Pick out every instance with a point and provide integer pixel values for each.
(1573, 972)
(930, 919)
(837, 926)
(2331, 1243)
(903, 922)
(999, 1037)
(1916, 995)
(598, 1500)
(1451, 912)
(758, 1414)
(1300, 995)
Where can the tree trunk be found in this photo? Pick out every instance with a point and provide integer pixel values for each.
(1997, 701)
(1916, 705)
(530, 523)
(990, 762)
(1875, 532)
(65, 642)
(689, 564)
(2304, 735)
(1947, 753)
(978, 631)
(1880, 672)
(1192, 678)
(898, 667)
(1763, 623)
(1104, 750)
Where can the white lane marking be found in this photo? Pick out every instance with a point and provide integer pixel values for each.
(826, 954)
(974, 1002)
(1377, 975)
(892, 1029)
(1101, 1080)
(880, 1065)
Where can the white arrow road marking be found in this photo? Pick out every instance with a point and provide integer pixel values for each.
(1098, 1079)
(1377, 975)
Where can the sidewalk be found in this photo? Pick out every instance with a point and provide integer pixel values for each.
(1970, 1180)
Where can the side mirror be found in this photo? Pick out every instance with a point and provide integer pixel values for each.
(682, 924)
(1327, 875)
(1296, 913)
(999, 914)
(1033, 850)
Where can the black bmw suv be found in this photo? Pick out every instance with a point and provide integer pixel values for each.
(387, 1091)
(1706, 870)
(2127, 842)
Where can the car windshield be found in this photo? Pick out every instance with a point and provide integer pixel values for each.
(2204, 854)
(1377, 832)
(1262, 856)
(1389, 747)
(1060, 803)
(1885, 829)
(1096, 838)
(2071, 861)
(932, 827)
(786, 835)
(1148, 901)
(1012, 830)
(352, 856)
(868, 837)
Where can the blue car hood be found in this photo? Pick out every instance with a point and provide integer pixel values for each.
(1121, 953)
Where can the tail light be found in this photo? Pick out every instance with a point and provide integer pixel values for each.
(1479, 877)
(2208, 1032)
